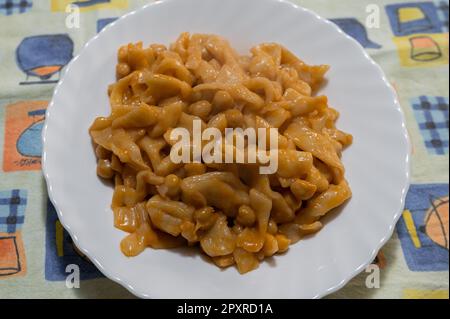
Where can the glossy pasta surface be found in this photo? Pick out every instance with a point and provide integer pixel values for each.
(234, 214)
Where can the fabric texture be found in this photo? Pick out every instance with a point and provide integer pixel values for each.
(9, 7)
(409, 39)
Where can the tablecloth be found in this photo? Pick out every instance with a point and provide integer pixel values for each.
(409, 39)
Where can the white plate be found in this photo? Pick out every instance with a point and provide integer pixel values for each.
(377, 163)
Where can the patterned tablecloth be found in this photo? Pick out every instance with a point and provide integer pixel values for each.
(409, 39)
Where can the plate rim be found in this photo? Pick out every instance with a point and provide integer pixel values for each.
(107, 273)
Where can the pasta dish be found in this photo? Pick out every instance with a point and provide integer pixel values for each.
(232, 212)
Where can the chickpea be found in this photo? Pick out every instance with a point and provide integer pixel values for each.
(202, 109)
(246, 216)
(122, 70)
(234, 118)
(272, 227)
(222, 100)
(204, 215)
(173, 184)
(195, 169)
(104, 168)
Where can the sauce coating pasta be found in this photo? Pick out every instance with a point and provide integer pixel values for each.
(234, 214)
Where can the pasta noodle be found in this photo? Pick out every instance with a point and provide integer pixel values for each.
(235, 215)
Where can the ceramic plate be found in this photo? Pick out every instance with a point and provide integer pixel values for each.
(377, 163)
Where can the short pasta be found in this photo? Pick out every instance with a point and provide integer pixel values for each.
(234, 214)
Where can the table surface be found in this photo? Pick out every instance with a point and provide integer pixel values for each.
(409, 39)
